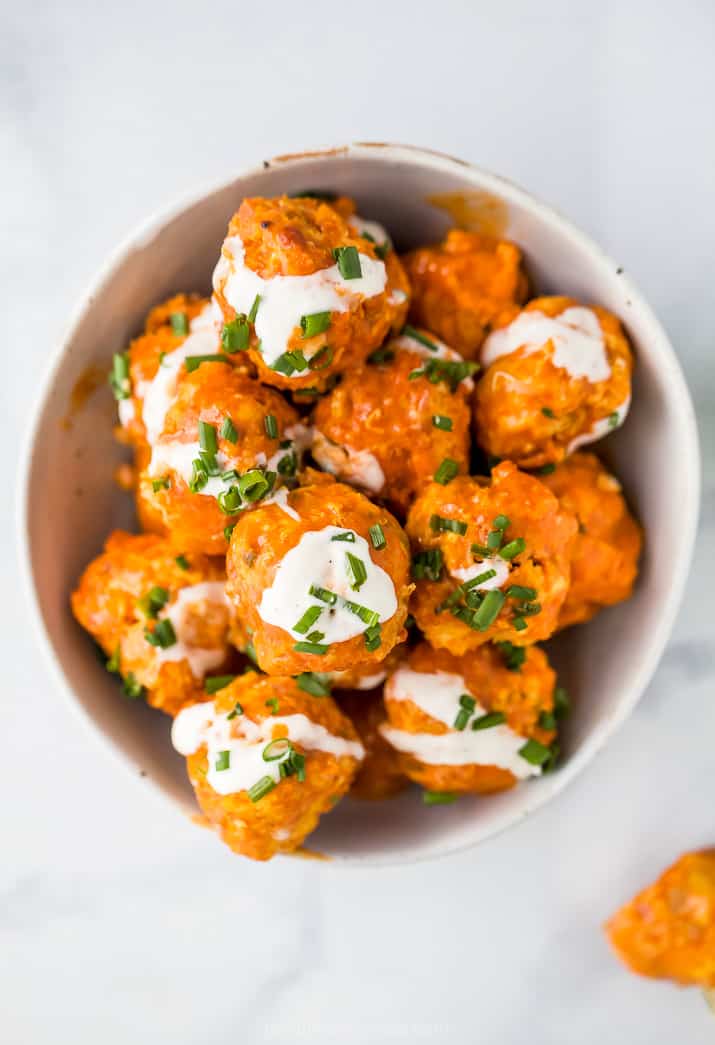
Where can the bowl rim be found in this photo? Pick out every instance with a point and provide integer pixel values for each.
(659, 342)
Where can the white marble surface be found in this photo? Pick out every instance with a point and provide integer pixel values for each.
(120, 922)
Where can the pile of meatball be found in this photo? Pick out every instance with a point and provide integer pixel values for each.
(362, 506)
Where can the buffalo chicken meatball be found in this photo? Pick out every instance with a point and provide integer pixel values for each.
(668, 931)
(379, 775)
(320, 579)
(389, 429)
(226, 442)
(304, 292)
(479, 722)
(266, 760)
(605, 551)
(463, 285)
(491, 560)
(557, 376)
(162, 618)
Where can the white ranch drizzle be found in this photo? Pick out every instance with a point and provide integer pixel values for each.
(374, 229)
(280, 497)
(338, 679)
(319, 560)
(468, 573)
(359, 467)
(437, 695)
(200, 660)
(575, 334)
(408, 343)
(602, 427)
(285, 299)
(245, 741)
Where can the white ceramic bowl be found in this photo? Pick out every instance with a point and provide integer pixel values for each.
(69, 502)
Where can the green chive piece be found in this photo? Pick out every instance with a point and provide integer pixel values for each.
(501, 522)
(467, 702)
(438, 524)
(489, 610)
(161, 484)
(513, 656)
(562, 703)
(377, 537)
(513, 548)
(228, 530)
(373, 637)
(213, 683)
(315, 683)
(255, 484)
(272, 703)
(179, 323)
(546, 469)
(277, 749)
(315, 323)
(348, 261)
(479, 579)
(438, 798)
(427, 565)
(207, 438)
(229, 501)
(347, 535)
(182, 562)
(613, 419)
(194, 362)
(462, 719)
(519, 624)
(237, 708)
(235, 335)
(271, 426)
(535, 753)
(163, 635)
(322, 358)
(367, 616)
(548, 412)
(324, 594)
(488, 721)
(308, 619)
(315, 636)
(408, 331)
(356, 570)
(547, 720)
(289, 362)
(131, 687)
(449, 371)
(316, 194)
(254, 309)
(261, 788)
(154, 600)
(494, 540)
(223, 761)
(311, 647)
(518, 591)
(228, 431)
(381, 355)
(119, 376)
(446, 472)
(440, 421)
(113, 664)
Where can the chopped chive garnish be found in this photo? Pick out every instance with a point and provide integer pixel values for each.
(546, 469)
(479, 579)
(119, 376)
(488, 721)
(377, 536)
(272, 703)
(235, 335)
(440, 421)
(113, 664)
(315, 323)
(255, 484)
(277, 749)
(229, 501)
(316, 194)
(356, 570)
(162, 483)
(513, 548)
(373, 637)
(223, 761)
(438, 524)
(315, 683)
(322, 358)
(547, 720)
(530, 609)
(513, 656)
(547, 411)
(207, 438)
(237, 708)
(228, 431)
(446, 472)
(467, 702)
(348, 261)
(481, 550)
(494, 540)
(308, 619)
(449, 371)
(213, 683)
(289, 362)
(367, 616)
(131, 687)
(489, 610)
(408, 331)
(194, 362)
(254, 309)
(288, 465)
(163, 634)
(562, 703)
(427, 565)
(228, 530)
(410, 621)
(154, 600)
(179, 323)
(613, 419)
(261, 788)
(519, 592)
(347, 535)
(315, 636)
(535, 753)
(311, 647)
(438, 798)
(271, 426)
(381, 355)
(501, 522)
(324, 594)
(519, 624)
(461, 720)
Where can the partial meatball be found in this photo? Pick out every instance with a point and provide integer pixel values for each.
(605, 551)
(320, 580)
(557, 376)
(266, 760)
(379, 775)
(303, 292)
(226, 443)
(667, 932)
(390, 429)
(461, 287)
(491, 560)
(479, 722)
(161, 618)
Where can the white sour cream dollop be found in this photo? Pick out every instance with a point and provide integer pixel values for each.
(200, 660)
(576, 337)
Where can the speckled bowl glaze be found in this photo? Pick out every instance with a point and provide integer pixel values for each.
(68, 502)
